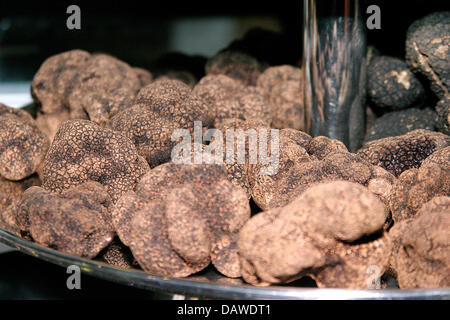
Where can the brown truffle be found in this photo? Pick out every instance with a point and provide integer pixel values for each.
(145, 77)
(307, 162)
(316, 235)
(76, 222)
(11, 191)
(183, 76)
(282, 87)
(397, 154)
(161, 108)
(415, 187)
(83, 151)
(421, 247)
(118, 255)
(22, 145)
(236, 65)
(443, 111)
(8, 219)
(181, 217)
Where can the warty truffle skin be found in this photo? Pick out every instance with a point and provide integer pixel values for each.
(76, 222)
(416, 186)
(391, 84)
(313, 235)
(236, 65)
(427, 50)
(83, 151)
(443, 111)
(398, 154)
(421, 247)
(181, 218)
(22, 145)
(401, 122)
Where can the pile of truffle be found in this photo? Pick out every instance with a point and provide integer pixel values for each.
(91, 175)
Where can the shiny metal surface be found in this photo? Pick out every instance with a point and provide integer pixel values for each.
(211, 286)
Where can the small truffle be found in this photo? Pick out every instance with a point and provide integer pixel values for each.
(118, 255)
(83, 151)
(391, 84)
(397, 154)
(401, 122)
(181, 218)
(183, 76)
(22, 145)
(443, 111)
(415, 187)
(11, 191)
(317, 235)
(76, 222)
(421, 247)
(161, 108)
(236, 65)
(427, 50)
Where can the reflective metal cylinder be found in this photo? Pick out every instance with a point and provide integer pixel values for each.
(334, 53)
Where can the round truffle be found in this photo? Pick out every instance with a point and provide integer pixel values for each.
(427, 50)
(391, 84)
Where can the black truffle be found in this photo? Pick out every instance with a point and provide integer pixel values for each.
(391, 84)
(397, 123)
(443, 113)
(427, 50)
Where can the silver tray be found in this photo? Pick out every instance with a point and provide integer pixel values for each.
(210, 285)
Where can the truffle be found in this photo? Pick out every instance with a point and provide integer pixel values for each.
(236, 65)
(330, 232)
(391, 84)
(415, 187)
(427, 50)
(421, 247)
(83, 151)
(401, 122)
(11, 191)
(443, 111)
(22, 145)
(76, 222)
(397, 154)
(282, 87)
(184, 76)
(118, 255)
(161, 108)
(181, 217)
(145, 77)
(305, 163)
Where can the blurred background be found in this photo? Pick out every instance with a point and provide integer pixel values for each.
(158, 36)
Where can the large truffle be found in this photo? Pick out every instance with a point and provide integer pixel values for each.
(303, 163)
(76, 222)
(427, 50)
(161, 108)
(443, 111)
(397, 154)
(331, 232)
(415, 187)
(421, 247)
(391, 84)
(282, 87)
(83, 151)
(236, 65)
(22, 145)
(401, 122)
(181, 217)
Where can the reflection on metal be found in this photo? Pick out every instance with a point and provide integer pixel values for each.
(211, 286)
(334, 68)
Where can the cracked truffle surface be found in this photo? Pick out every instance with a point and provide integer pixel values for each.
(397, 154)
(83, 151)
(391, 84)
(181, 218)
(160, 109)
(427, 50)
(415, 187)
(22, 145)
(401, 122)
(314, 235)
(76, 222)
(443, 111)
(236, 65)
(421, 247)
